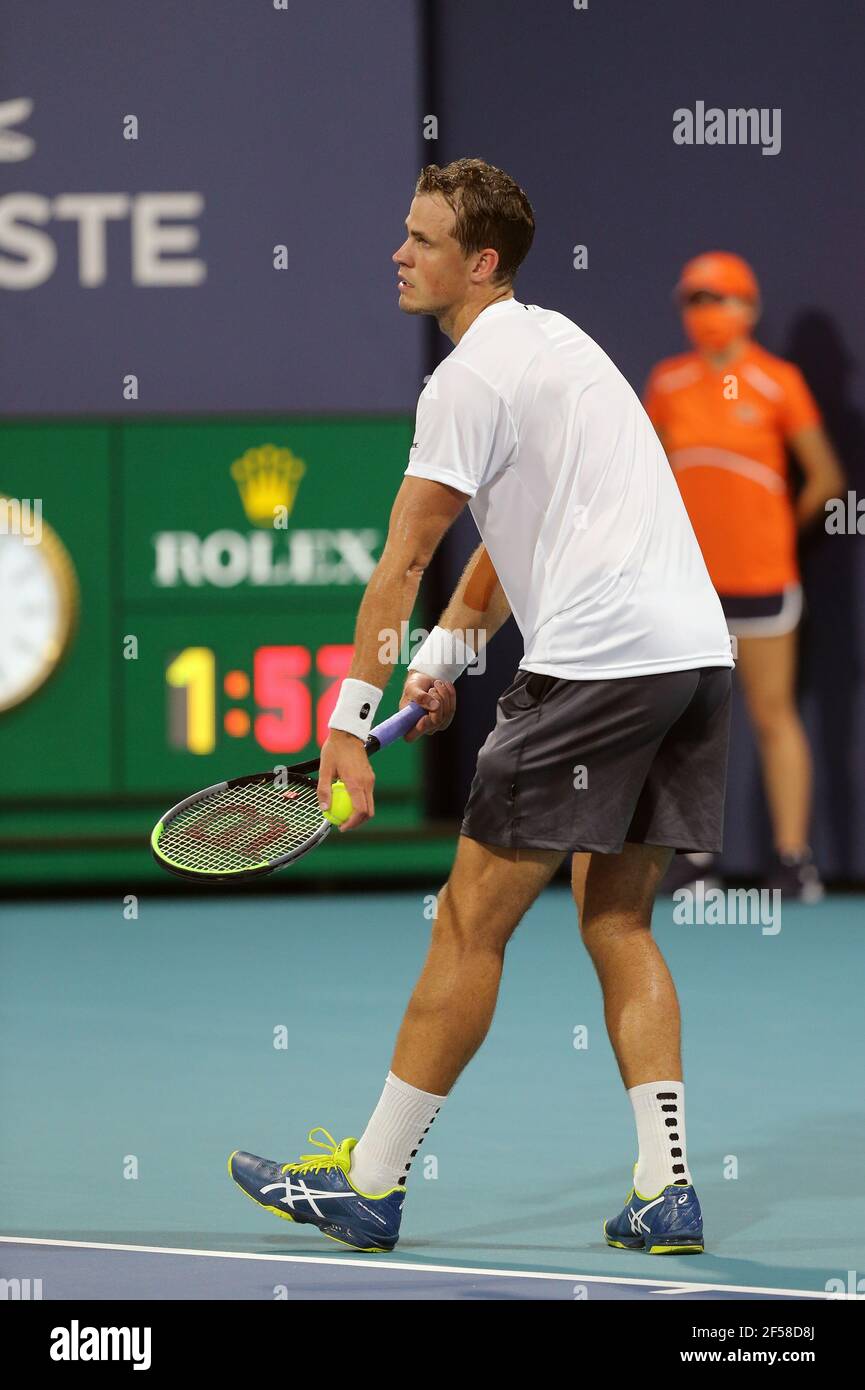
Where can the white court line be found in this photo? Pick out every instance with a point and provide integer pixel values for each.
(667, 1285)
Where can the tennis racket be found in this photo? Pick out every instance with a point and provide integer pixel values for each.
(253, 825)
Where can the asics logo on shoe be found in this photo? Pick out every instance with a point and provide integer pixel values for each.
(682, 1199)
(299, 1191)
(638, 1225)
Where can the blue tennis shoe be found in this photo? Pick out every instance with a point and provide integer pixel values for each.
(669, 1224)
(318, 1191)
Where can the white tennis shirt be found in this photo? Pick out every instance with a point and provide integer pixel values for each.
(573, 497)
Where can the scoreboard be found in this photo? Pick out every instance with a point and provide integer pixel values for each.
(194, 622)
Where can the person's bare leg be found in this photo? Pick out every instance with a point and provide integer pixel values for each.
(767, 669)
(485, 898)
(614, 894)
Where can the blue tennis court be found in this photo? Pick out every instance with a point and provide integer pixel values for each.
(140, 1053)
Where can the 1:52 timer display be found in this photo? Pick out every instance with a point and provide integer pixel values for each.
(273, 702)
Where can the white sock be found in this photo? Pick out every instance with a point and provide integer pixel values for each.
(659, 1109)
(382, 1156)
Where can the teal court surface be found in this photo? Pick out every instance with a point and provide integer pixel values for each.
(137, 1054)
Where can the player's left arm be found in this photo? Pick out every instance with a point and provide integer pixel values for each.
(824, 476)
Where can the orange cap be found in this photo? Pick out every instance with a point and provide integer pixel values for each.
(720, 272)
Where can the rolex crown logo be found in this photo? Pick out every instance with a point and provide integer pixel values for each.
(267, 479)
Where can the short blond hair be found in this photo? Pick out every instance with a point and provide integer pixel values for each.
(490, 210)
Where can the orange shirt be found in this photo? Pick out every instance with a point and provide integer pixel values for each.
(724, 432)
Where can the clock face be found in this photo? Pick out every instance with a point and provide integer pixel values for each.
(38, 596)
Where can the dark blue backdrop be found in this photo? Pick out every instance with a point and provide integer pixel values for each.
(294, 127)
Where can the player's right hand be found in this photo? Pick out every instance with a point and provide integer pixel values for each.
(439, 697)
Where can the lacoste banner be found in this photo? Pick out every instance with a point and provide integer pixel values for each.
(198, 205)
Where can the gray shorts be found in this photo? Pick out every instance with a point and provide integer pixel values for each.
(587, 765)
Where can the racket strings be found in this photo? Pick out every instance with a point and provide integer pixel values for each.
(240, 827)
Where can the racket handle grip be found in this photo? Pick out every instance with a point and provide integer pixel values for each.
(395, 727)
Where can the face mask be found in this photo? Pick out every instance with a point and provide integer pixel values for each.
(714, 327)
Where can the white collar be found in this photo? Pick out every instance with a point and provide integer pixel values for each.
(491, 309)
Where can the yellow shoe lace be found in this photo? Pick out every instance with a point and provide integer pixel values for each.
(314, 1163)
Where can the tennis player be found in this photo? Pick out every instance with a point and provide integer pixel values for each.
(726, 413)
(610, 744)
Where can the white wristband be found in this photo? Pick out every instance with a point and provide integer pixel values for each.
(355, 707)
(444, 655)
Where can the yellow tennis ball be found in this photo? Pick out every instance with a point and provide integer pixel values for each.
(340, 805)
